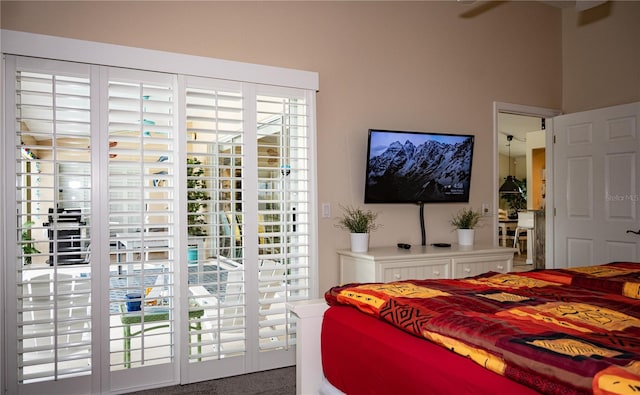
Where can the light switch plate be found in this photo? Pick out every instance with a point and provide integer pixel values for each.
(486, 209)
(326, 210)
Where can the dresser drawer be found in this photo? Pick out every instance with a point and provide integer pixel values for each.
(473, 266)
(432, 269)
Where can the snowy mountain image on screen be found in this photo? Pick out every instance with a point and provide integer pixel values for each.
(430, 172)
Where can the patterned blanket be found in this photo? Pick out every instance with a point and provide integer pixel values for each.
(562, 331)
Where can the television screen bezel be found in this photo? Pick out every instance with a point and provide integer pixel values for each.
(399, 132)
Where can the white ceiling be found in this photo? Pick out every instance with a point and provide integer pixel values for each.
(518, 126)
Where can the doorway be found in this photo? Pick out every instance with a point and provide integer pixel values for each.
(523, 151)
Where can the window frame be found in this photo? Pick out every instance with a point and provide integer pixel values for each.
(73, 50)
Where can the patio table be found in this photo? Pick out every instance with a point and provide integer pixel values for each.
(154, 314)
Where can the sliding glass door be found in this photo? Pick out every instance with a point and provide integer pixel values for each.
(163, 222)
(248, 216)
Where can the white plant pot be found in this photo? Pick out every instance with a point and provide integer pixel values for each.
(465, 237)
(359, 242)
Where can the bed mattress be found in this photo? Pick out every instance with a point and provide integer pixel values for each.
(363, 355)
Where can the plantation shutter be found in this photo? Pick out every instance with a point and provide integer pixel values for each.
(215, 203)
(284, 202)
(249, 227)
(52, 200)
(142, 218)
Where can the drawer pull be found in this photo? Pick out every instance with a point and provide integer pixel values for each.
(467, 270)
(396, 276)
(500, 267)
(435, 272)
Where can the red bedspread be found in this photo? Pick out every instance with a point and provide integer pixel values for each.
(568, 331)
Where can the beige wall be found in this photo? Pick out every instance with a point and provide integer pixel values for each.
(396, 65)
(601, 56)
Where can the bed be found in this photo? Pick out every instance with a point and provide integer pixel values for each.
(561, 331)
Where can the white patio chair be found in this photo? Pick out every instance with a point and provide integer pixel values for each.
(56, 326)
(524, 233)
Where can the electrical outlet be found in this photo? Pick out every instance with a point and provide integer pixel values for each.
(486, 209)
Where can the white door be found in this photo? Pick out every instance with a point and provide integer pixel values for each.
(596, 174)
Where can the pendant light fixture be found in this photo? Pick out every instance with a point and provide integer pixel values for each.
(510, 185)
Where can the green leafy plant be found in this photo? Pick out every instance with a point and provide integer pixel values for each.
(197, 196)
(28, 247)
(357, 220)
(467, 218)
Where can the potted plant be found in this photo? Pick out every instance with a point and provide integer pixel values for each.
(360, 223)
(28, 247)
(465, 221)
(197, 196)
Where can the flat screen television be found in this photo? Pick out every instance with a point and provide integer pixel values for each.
(418, 167)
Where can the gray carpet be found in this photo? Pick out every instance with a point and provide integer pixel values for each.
(271, 382)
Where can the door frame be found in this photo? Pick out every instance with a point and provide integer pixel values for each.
(547, 114)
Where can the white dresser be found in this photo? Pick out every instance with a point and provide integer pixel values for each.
(384, 264)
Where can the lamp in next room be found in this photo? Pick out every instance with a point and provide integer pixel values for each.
(510, 185)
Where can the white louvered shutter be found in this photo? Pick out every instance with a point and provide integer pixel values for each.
(283, 152)
(53, 181)
(215, 166)
(142, 228)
